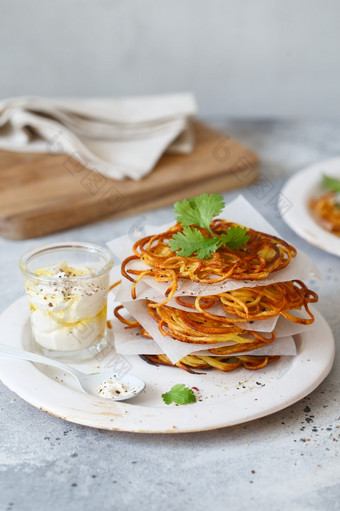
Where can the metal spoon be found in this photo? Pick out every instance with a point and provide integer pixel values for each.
(89, 383)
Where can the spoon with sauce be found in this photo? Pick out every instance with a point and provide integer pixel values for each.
(106, 385)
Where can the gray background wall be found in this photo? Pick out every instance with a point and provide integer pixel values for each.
(242, 58)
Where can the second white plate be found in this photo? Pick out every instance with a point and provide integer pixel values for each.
(294, 209)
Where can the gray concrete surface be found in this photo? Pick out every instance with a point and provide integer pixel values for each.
(289, 460)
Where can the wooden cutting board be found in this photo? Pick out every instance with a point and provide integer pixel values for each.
(44, 193)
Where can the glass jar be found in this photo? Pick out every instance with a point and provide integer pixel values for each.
(67, 285)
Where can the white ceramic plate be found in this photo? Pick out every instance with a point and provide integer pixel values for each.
(294, 209)
(227, 398)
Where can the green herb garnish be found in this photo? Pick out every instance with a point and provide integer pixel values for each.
(179, 394)
(199, 211)
(331, 183)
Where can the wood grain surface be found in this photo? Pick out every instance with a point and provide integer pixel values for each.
(45, 193)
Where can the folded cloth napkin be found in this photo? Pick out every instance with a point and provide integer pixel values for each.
(117, 137)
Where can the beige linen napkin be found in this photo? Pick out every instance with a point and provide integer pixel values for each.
(117, 137)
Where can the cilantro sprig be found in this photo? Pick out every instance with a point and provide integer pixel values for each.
(199, 212)
(331, 183)
(179, 394)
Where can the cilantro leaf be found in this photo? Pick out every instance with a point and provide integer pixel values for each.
(179, 394)
(199, 210)
(235, 238)
(331, 183)
(191, 240)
